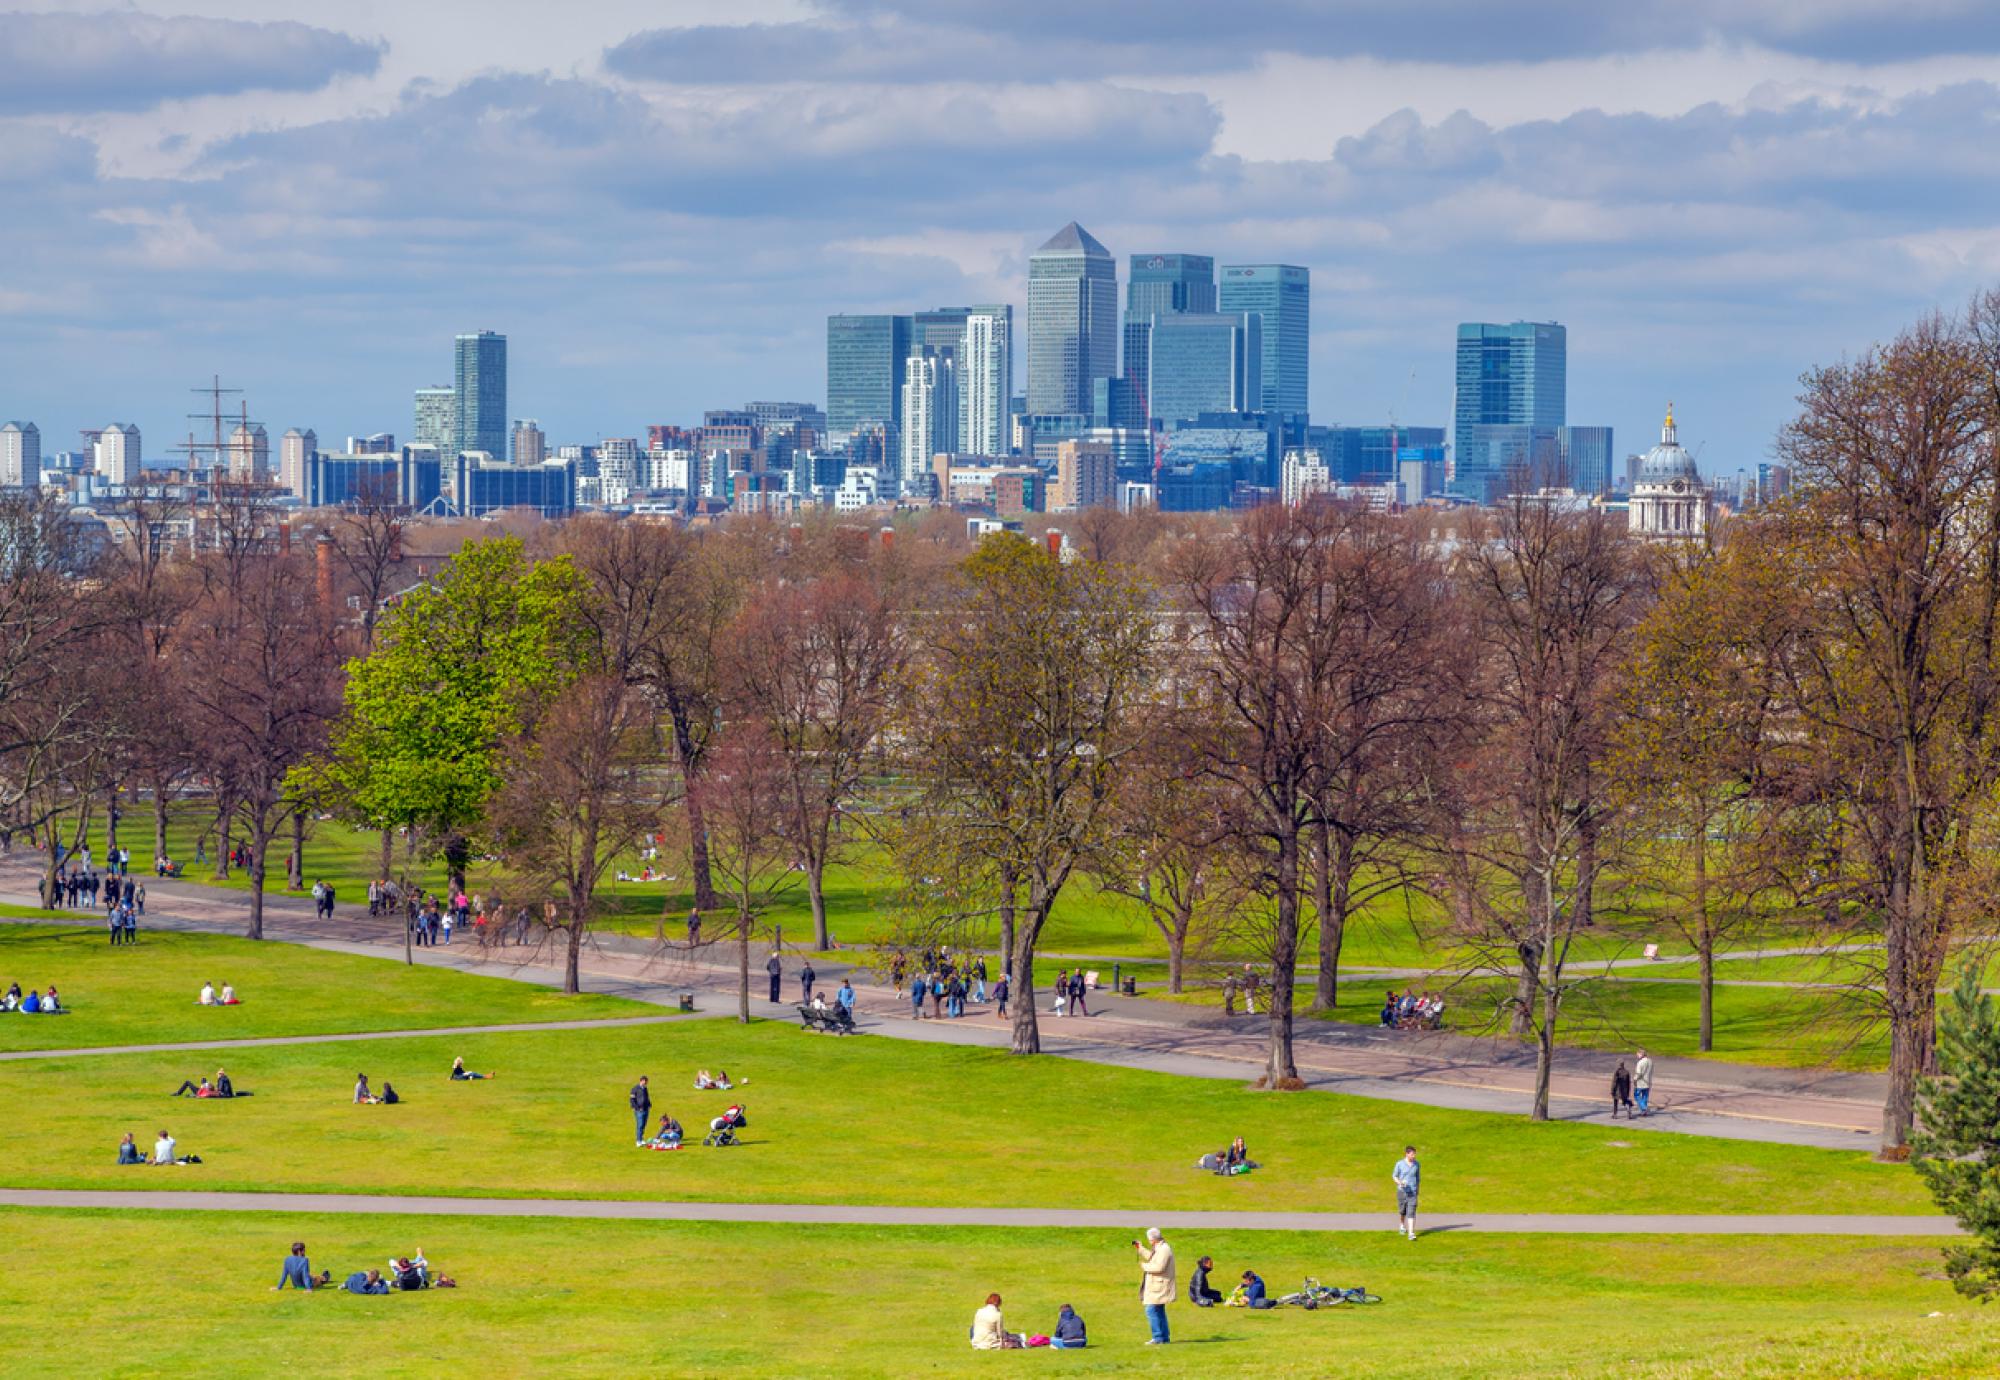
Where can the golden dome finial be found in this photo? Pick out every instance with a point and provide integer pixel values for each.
(1670, 414)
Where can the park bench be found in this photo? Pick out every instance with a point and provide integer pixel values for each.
(832, 1021)
(172, 869)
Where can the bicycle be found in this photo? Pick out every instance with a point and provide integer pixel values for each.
(1314, 1296)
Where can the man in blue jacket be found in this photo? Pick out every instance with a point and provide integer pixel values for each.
(1253, 1291)
(298, 1271)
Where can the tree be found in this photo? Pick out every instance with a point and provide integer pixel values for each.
(1695, 716)
(1956, 1146)
(1553, 595)
(814, 664)
(1892, 678)
(1168, 829)
(256, 672)
(743, 803)
(457, 667)
(577, 791)
(1019, 715)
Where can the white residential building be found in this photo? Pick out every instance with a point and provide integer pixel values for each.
(249, 452)
(1305, 473)
(20, 454)
(296, 450)
(115, 455)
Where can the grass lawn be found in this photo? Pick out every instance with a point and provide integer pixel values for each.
(863, 1120)
(1773, 1026)
(188, 1294)
(145, 993)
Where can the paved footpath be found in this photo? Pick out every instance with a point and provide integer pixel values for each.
(842, 1214)
(1738, 1102)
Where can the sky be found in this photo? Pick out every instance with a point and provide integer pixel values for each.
(659, 202)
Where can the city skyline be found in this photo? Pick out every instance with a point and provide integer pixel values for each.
(262, 204)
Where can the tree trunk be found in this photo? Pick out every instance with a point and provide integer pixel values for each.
(1704, 940)
(457, 853)
(223, 810)
(159, 819)
(572, 961)
(298, 859)
(1177, 946)
(743, 964)
(1336, 889)
(704, 883)
(1027, 1032)
(816, 894)
(1545, 1052)
(387, 860)
(1528, 987)
(258, 846)
(1279, 1064)
(1007, 917)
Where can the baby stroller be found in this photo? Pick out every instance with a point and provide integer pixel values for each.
(722, 1130)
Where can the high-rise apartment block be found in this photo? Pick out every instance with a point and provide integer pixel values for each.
(930, 415)
(479, 384)
(1281, 294)
(531, 443)
(1072, 321)
(1086, 476)
(249, 452)
(115, 455)
(437, 419)
(20, 455)
(296, 450)
(985, 379)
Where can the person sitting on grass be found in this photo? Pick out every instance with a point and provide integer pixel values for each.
(1236, 1159)
(361, 1093)
(366, 1282)
(1250, 1293)
(201, 1089)
(668, 1137)
(32, 1003)
(207, 997)
(461, 1074)
(389, 1098)
(1201, 1293)
(298, 1272)
(228, 996)
(51, 1003)
(128, 1151)
(989, 1329)
(1069, 1334)
(223, 1087)
(12, 1001)
(165, 1149)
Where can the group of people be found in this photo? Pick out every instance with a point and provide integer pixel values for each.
(1248, 983)
(1632, 1089)
(946, 981)
(364, 1096)
(208, 996)
(322, 894)
(406, 1272)
(1413, 1010)
(669, 1133)
(1069, 989)
(989, 1330)
(80, 888)
(33, 1003)
(220, 1087)
(1233, 1158)
(166, 1150)
(843, 999)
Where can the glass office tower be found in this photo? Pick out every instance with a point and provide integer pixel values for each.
(1512, 400)
(865, 358)
(1072, 321)
(1282, 295)
(480, 393)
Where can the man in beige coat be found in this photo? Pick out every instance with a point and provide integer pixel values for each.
(1156, 1287)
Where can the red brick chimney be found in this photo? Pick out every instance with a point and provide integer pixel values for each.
(1054, 538)
(323, 569)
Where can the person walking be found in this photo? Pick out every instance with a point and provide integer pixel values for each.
(776, 970)
(844, 998)
(1642, 1084)
(1076, 988)
(806, 976)
(642, 1105)
(979, 982)
(918, 987)
(1156, 1283)
(1000, 997)
(1407, 1173)
(694, 926)
(116, 922)
(1621, 1091)
(1249, 989)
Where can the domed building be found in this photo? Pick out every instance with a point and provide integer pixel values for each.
(1668, 498)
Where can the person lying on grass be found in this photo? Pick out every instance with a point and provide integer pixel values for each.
(461, 1074)
(202, 1089)
(719, 1083)
(366, 1282)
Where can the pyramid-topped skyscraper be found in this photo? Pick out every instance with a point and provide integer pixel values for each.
(1072, 321)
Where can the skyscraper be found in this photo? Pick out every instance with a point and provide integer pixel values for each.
(1157, 285)
(985, 378)
(1586, 457)
(1512, 400)
(296, 449)
(480, 388)
(1072, 321)
(864, 373)
(1202, 362)
(20, 454)
(437, 419)
(1282, 295)
(930, 414)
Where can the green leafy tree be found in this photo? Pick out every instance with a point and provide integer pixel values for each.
(1956, 1147)
(455, 667)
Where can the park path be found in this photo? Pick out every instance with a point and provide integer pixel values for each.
(337, 1037)
(1799, 1107)
(875, 1215)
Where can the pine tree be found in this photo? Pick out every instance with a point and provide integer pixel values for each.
(1957, 1146)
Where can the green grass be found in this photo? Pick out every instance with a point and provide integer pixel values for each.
(862, 1120)
(145, 993)
(188, 1294)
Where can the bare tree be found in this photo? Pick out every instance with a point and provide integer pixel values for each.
(814, 664)
(743, 804)
(1553, 596)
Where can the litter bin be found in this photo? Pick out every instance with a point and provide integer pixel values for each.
(1131, 987)
(687, 1001)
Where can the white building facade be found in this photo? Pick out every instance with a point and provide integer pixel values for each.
(1669, 500)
